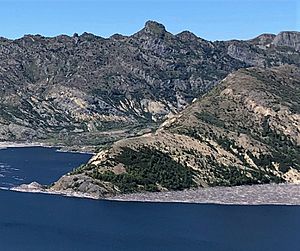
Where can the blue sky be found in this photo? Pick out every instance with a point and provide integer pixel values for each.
(213, 20)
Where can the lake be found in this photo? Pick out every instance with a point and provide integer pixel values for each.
(19, 165)
(49, 222)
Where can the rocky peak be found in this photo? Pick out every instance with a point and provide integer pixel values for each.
(118, 37)
(187, 36)
(3, 39)
(263, 39)
(87, 36)
(152, 28)
(288, 38)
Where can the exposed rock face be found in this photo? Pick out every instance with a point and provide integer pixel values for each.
(74, 87)
(245, 131)
(263, 40)
(85, 185)
(267, 49)
(74, 186)
(153, 28)
(288, 39)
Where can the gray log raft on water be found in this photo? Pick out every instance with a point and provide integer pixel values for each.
(276, 194)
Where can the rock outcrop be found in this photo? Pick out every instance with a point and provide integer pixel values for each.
(288, 39)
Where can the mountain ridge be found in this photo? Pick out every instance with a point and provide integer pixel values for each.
(70, 90)
(152, 24)
(162, 111)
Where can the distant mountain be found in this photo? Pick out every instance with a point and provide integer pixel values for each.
(72, 90)
(246, 130)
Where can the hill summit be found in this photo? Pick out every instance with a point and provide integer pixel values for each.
(244, 131)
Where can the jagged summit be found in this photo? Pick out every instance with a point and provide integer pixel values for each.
(284, 38)
(187, 35)
(153, 26)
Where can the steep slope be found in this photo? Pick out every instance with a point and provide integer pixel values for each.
(73, 89)
(266, 50)
(245, 131)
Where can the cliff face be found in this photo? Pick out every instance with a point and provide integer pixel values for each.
(71, 89)
(288, 39)
(244, 131)
(267, 50)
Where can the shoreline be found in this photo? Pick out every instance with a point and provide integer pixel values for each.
(60, 148)
(269, 194)
(52, 192)
(8, 144)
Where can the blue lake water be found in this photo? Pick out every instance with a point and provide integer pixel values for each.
(48, 222)
(41, 164)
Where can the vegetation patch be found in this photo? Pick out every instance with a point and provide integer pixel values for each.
(210, 119)
(147, 170)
